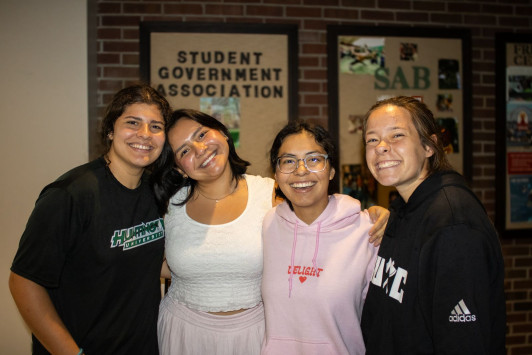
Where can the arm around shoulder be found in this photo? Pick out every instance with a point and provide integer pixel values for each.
(379, 216)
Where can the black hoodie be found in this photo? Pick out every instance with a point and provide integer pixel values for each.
(437, 287)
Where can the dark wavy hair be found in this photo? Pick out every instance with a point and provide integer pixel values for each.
(139, 93)
(321, 136)
(166, 180)
(426, 127)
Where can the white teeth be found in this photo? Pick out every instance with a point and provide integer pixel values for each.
(299, 185)
(387, 164)
(208, 160)
(140, 146)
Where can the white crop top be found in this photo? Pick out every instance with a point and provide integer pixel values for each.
(218, 268)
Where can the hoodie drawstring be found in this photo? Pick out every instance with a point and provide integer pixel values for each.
(294, 244)
(316, 248)
(292, 261)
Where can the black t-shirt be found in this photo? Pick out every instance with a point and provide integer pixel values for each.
(97, 247)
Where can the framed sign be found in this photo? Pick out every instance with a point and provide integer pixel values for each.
(245, 75)
(368, 64)
(514, 134)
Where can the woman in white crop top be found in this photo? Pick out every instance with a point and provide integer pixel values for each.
(213, 221)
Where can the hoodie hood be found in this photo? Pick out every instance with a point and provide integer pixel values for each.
(427, 190)
(341, 211)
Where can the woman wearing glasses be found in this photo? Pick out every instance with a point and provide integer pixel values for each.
(317, 261)
(213, 225)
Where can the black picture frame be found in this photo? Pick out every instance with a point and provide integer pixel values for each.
(267, 40)
(409, 34)
(513, 210)
(288, 30)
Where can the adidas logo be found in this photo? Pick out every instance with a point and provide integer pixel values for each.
(461, 314)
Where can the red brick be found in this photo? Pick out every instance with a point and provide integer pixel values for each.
(445, 18)
(120, 46)
(109, 33)
(284, 21)
(109, 8)
(321, 3)
(514, 21)
(310, 36)
(264, 10)
(522, 328)
(120, 20)
(377, 15)
(521, 2)
(311, 48)
(121, 72)
(315, 99)
(480, 20)
(515, 274)
(463, 7)
(308, 111)
(281, 2)
(516, 317)
(523, 10)
(308, 61)
(131, 33)
(488, 78)
(188, 9)
(523, 262)
(394, 4)
(315, 25)
(109, 85)
(341, 13)
(484, 137)
(523, 284)
(293, 11)
(315, 74)
(142, 8)
(247, 20)
(516, 339)
(519, 295)
(524, 241)
(521, 350)
(241, 1)
(429, 5)
(306, 86)
(479, 112)
(485, 66)
(359, 3)
(108, 58)
(498, 9)
(231, 10)
(130, 59)
(412, 16)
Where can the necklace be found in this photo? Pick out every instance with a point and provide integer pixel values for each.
(220, 198)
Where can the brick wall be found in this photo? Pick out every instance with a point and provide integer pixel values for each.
(117, 65)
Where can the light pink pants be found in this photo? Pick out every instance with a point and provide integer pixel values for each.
(184, 331)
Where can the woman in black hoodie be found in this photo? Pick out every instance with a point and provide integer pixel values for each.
(437, 287)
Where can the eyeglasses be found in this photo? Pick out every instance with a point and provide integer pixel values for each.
(313, 163)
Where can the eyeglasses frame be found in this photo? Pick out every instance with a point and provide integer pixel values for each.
(326, 156)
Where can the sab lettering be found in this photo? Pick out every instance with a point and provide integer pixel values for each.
(421, 79)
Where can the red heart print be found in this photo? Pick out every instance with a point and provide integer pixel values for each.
(302, 279)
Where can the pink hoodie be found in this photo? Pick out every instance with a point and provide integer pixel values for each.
(315, 279)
